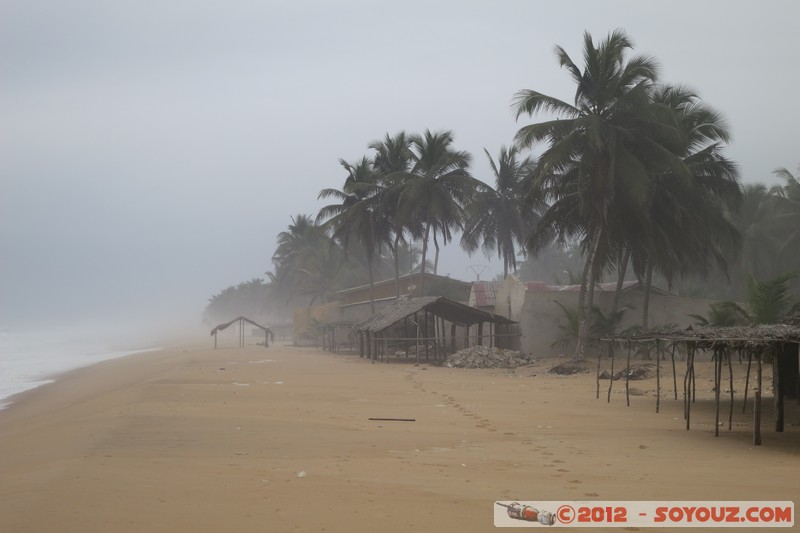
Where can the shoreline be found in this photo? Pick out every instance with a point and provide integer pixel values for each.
(48, 378)
(189, 438)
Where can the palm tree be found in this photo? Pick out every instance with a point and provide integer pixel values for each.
(686, 227)
(755, 220)
(358, 215)
(434, 192)
(770, 300)
(307, 261)
(610, 139)
(393, 156)
(499, 219)
(788, 206)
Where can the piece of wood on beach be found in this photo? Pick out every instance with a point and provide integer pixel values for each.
(394, 419)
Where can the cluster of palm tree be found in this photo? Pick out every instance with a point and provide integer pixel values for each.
(633, 170)
(247, 298)
(768, 302)
(418, 188)
(631, 173)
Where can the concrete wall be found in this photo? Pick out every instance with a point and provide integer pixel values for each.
(304, 318)
(540, 316)
(510, 297)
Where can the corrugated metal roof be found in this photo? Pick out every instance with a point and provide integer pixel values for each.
(485, 292)
(450, 310)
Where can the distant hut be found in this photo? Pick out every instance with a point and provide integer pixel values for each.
(268, 335)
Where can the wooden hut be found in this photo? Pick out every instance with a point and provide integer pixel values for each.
(268, 335)
(434, 325)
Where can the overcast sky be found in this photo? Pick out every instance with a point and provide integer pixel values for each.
(150, 151)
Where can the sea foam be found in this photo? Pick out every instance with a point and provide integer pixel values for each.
(31, 358)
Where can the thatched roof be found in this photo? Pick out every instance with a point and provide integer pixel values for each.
(733, 337)
(450, 310)
(222, 326)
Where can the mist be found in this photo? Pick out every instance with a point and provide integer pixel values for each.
(151, 153)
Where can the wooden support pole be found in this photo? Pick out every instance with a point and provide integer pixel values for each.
(777, 387)
(688, 384)
(757, 406)
(452, 338)
(597, 373)
(427, 336)
(480, 333)
(717, 386)
(658, 375)
(611, 377)
(628, 376)
(730, 381)
(674, 375)
(747, 379)
(443, 331)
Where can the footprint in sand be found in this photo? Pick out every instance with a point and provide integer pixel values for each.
(557, 461)
(576, 481)
(562, 470)
(591, 494)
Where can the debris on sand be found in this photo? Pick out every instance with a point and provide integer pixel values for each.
(642, 371)
(568, 368)
(486, 357)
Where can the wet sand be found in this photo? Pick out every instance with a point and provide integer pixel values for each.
(278, 439)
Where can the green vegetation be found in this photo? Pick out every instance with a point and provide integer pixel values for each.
(631, 181)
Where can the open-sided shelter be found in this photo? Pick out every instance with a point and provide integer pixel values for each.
(268, 335)
(781, 342)
(433, 324)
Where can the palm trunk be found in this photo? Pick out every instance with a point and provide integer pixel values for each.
(648, 282)
(585, 311)
(397, 263)
(436, 259)
(371, 286)
(424, 258)
(622, 268)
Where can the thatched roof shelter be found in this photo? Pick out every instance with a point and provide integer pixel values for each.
(427, 317)
(735, 337)
(781, 342)
(268, 335)
(450, 310)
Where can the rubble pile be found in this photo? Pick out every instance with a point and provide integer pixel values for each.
(486, 357)
(570, 367)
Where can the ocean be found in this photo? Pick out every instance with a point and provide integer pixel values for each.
(30, 358)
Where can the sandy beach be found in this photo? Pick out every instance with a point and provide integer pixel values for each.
(279, 439)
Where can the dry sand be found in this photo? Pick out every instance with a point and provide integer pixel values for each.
(192, 439)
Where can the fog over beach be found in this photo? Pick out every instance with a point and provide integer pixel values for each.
(151, 154)
(154, 155)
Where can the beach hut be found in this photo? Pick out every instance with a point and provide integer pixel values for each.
(756, 343)
(434, 325)
(268, 335)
